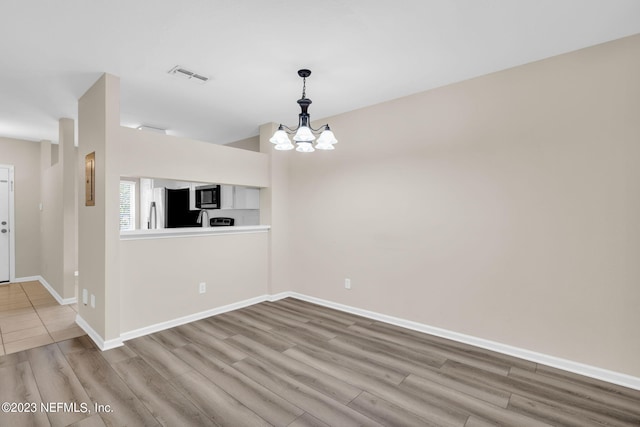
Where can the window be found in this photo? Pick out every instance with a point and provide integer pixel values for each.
(127, 205)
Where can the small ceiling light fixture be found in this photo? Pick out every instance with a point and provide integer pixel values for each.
(303, 134)
(152, 129)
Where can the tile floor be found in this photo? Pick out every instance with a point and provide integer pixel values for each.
(31, 317)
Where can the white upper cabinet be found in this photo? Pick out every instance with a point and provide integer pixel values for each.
(226, 197)
(233, 197)
(247, 198)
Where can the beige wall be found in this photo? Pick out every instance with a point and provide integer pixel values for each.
(160, 277)
(58, 254)
(98, 241)
(275, 211)
(169, 270)
(149, 154)
(124, 152)
(69, 159)
(51, 231)
(251, 144)
(25, 157)
(505, 207)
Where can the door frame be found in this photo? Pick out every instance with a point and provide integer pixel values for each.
(12, 224)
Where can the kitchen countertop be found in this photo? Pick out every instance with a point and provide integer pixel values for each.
(164, 233)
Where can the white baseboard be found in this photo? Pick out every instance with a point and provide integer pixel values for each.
(190, 318)
(61, 301)
(25, 279)
(281, 295)
(556, 362)
(101, 343)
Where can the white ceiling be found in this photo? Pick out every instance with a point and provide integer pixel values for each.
(361, 52)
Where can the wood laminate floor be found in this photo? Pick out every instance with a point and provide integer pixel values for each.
(292, 363)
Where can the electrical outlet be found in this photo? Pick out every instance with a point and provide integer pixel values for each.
(85, 296)
(347, 283)
(93, 301)
(203, 287)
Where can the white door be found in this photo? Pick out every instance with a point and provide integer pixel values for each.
(4, 225)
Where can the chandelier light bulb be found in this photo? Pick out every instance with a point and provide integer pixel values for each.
(320, 146)
(327, 137)
(303, 135)
(304, 147)
(280, 137)
(284, 147)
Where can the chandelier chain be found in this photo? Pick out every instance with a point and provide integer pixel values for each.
(304, 87)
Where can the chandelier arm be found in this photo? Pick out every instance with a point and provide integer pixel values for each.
(288, 130)
(291, 131)
(321, 128)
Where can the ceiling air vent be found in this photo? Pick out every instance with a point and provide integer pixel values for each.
(183, 73)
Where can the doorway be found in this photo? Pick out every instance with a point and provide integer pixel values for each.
(7, 242)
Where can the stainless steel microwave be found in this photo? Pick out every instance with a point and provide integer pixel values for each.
(208, 197)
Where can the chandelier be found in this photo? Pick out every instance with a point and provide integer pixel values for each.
(304, 134)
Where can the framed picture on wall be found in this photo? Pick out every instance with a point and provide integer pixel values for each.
(90, 179)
